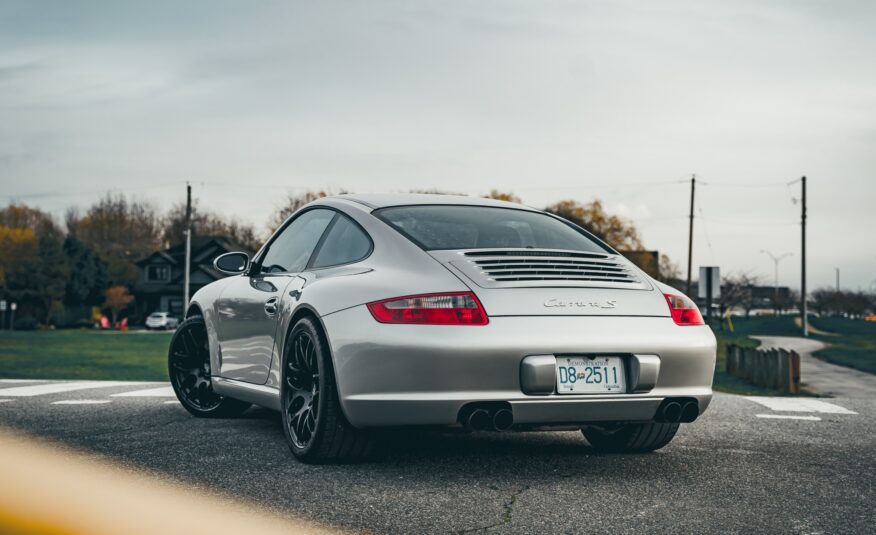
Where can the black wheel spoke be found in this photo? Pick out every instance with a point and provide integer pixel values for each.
(301, 390)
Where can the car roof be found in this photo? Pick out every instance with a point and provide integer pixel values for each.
(383, 200)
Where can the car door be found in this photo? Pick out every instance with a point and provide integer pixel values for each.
(249, 307)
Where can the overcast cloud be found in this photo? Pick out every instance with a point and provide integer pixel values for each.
(616, 100)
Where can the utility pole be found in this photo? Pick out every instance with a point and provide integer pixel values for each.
(693, 185)
(803, 263)
(188, 247)
(837, 281)
(776, 260)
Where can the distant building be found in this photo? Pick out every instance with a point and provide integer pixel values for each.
(162, 273)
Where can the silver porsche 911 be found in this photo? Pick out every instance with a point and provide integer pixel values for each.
(371, 311)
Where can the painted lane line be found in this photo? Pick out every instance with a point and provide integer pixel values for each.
(160, 392)
(23, 381)
(795, 405)
(82, 402)
(789, 417)
(58, 388)
(5, 400)
(174, 401)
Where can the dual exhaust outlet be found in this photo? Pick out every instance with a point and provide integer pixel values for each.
(483, 419)
(678, 411)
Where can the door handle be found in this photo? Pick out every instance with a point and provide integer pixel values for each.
(271, 306)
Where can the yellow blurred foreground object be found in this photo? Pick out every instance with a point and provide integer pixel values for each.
(46, 490)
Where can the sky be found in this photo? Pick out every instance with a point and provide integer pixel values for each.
(620, 101)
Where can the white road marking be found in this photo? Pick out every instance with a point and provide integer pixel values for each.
(5, 400)
(792, 405)
(174, 401)
(58, 388)
(82, 402)
(789, 417)
(160, 392)
(22, 380)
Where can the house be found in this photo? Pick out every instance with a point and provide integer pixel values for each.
(160, 288)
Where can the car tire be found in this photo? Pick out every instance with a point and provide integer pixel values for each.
(314, 424)
(188, 365)
(630, 438)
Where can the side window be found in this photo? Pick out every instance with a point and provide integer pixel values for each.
(345, 243)
(291, 250)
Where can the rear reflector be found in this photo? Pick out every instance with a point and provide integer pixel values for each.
(683, 310)
(457, 308)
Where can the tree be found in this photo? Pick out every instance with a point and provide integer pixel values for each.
(737, 291)
(503, 196)
(22, 216)
(88, 274)
(294, 202)
(19, 259)
(50, 278)
(117, 299)
(206, 223)
(668, 271)
(34, 266)
(617, 232)
(120, 231)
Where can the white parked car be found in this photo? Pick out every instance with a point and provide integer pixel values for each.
(161, 320)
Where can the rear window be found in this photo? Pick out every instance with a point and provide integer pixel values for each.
(436, 227)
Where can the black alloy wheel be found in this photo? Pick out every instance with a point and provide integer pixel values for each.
(188, 363)
(313, 422)
(301, 398)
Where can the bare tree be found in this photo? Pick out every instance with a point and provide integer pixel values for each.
(205, 223)
(294, 202)
(737, 291)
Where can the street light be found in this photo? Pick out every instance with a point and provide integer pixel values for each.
(776, 260)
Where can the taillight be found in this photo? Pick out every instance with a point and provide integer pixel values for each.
(456, 308)
(683, 310)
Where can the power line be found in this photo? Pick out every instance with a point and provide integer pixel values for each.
(51, 194)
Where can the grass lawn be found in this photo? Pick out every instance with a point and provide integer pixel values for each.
(83, 354)
(855, 345)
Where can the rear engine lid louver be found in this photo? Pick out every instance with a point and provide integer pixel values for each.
(534, 268)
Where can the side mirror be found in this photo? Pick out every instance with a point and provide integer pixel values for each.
(232, 263)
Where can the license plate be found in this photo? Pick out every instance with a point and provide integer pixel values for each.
(590, 375)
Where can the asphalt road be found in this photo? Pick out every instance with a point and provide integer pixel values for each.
(743, 467)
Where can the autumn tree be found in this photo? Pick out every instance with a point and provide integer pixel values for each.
(117, 300)
(33, 261)
(503, 196)
(205, 223)
(121, 231)
(19, 259)
(617, 232)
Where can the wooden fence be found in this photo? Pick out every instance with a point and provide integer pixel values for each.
(778, 369)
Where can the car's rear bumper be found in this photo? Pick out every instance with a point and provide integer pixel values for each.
(391, 375)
